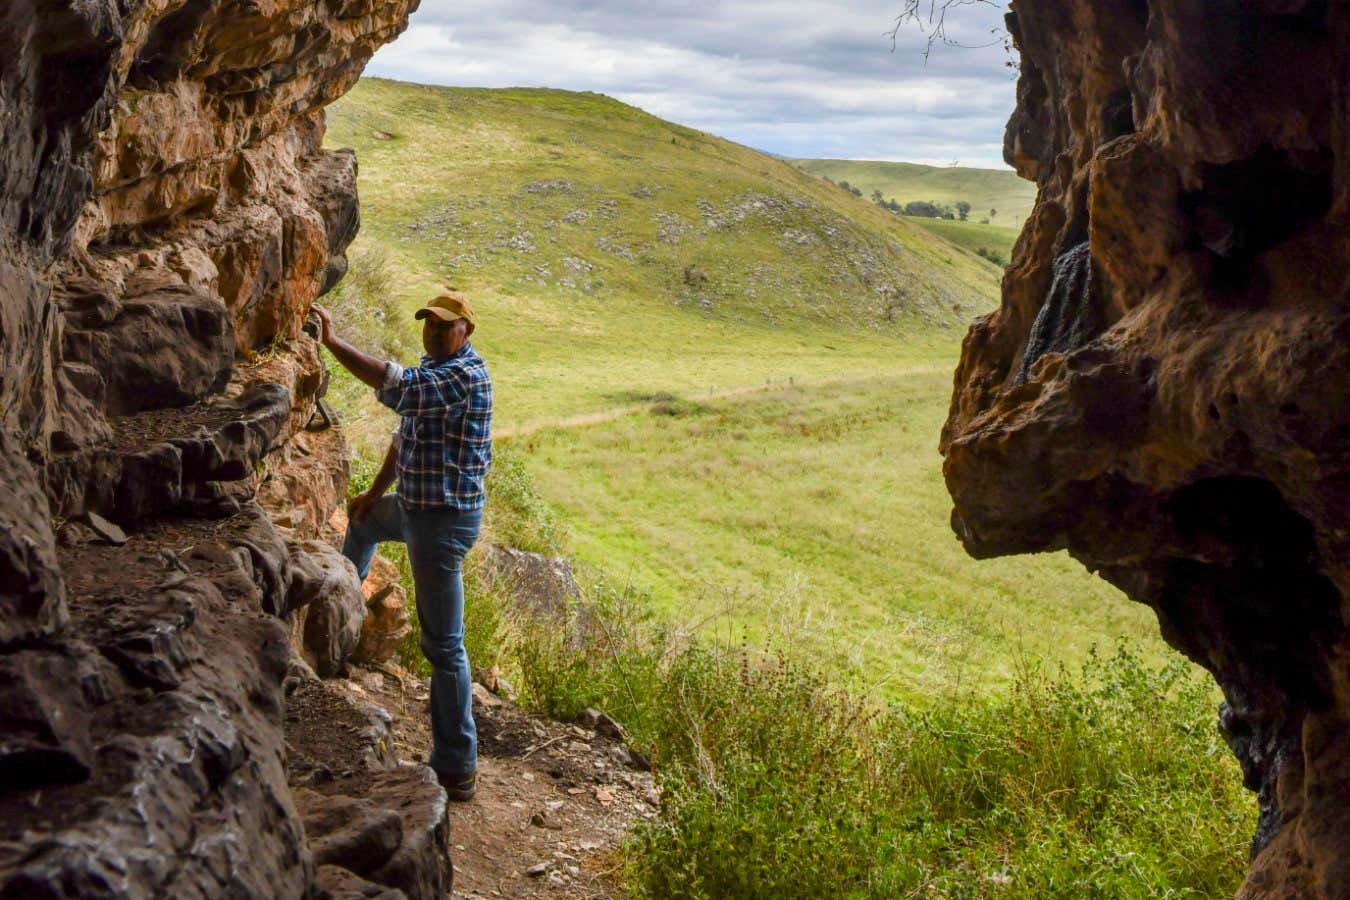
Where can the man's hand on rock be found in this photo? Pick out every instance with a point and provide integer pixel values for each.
(325, 323)
(367, 369)
(360, 505)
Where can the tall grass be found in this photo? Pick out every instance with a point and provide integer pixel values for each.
(1111, 781)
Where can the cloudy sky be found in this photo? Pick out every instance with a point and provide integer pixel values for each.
(797, 78)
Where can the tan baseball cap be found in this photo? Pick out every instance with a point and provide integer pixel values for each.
(448, 307)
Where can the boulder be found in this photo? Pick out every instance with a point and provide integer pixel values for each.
(336, 883)
(421, 865)
(305, 481)
(46, 737)
(151, 482)
(348, 832)
(166, 706)
(541, 584)
(385, 627)
(327, 591)
(166, 345)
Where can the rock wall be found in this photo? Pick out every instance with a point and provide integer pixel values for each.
(167, 215)
(1163, 390)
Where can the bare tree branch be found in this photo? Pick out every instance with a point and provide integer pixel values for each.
(930, 16)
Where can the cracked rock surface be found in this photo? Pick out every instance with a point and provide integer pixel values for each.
(167, 216)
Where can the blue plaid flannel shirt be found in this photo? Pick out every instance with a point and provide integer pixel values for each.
(445, 434)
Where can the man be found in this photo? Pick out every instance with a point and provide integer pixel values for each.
(439, 457)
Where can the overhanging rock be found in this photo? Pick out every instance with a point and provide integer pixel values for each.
(1187, 433)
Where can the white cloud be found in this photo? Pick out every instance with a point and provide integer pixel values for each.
(800, 79)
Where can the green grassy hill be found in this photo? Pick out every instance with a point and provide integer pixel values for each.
(984, 189)
(613, 253)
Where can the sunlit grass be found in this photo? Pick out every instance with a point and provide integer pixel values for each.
(825, 503)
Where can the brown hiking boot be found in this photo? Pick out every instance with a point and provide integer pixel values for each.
(459, 788)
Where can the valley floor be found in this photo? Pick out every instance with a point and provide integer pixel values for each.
(815, 513)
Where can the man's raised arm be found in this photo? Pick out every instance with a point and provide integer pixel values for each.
(365, 367)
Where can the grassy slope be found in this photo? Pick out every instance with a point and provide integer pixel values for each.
(984, 189)
(819, 506)
(573, 219)
(822, 505)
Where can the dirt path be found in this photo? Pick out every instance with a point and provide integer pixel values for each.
(554, 800)
(617, 412)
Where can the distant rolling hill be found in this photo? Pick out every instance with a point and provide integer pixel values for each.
(985, 189)
(552, 192)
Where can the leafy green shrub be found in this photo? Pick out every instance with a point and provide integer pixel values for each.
(927, 209)
(607, 652)
(993, 256)
(1109, 782)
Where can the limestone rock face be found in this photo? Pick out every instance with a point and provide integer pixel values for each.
(167, 216)
(1163, 390)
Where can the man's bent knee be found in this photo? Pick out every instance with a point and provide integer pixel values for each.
(443, 655)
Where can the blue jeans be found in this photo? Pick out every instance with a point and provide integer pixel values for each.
(437, 540)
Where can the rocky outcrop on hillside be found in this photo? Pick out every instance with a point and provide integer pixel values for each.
(167, 215)
(1163, 390)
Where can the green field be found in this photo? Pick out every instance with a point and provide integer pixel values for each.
(986, 190)
(973, 236)
(820, 509)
